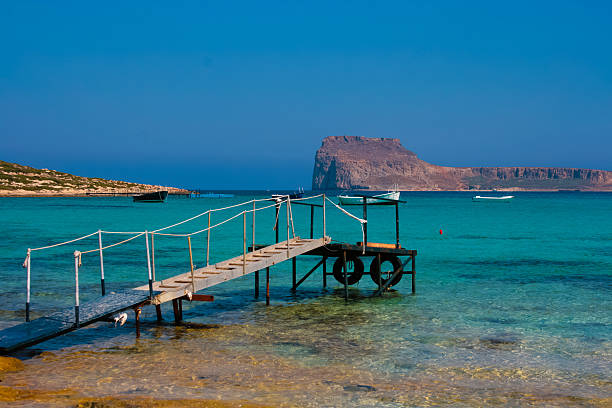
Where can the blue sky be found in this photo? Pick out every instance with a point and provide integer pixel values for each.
(240, 94)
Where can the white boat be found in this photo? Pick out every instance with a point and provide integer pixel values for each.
(354, 200)
(485, 198)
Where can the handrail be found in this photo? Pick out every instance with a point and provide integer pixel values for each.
(151, 266)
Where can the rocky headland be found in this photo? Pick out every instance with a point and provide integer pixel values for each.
(17, 180)
(360, 163)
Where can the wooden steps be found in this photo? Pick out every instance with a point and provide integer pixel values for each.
(220, 272)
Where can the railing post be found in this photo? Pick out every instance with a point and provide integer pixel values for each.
(244, 242)
(253, 242)
(277, 212)
(397, 239)
(288, 226)
(193, 290)
(149, 265)
(76, 286)
(365, 224)
(27, 310)
(101, 263)
(153, 254)
(208, 241)
(311, 221)
(323, 215)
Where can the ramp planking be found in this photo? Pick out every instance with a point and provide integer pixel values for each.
(215, 274)
(63, 321)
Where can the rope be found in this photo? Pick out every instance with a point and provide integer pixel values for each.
(65, 242)
(361, 221)
(115, 244)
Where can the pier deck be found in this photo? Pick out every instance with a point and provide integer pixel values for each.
(63, 321)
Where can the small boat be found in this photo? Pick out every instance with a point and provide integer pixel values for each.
(484, 198)
(153, 197)
(215, 195)
(356, 200)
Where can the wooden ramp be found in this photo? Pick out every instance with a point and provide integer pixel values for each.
(57, 324)
(212, 275)
(62, 322)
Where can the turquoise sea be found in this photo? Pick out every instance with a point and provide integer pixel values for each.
(513, 306)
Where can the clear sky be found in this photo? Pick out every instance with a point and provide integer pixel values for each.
(240, 94)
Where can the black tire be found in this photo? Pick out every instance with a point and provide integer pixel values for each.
(375, 271)
(351, 277)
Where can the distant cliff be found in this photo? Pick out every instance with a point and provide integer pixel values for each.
(18, 180)
(356, 162)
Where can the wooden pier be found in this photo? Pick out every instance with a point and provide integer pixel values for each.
(386, 269)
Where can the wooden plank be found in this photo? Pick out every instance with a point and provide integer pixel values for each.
(61, 322)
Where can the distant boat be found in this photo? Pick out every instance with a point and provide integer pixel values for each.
(214, 195)
(154, 197)
(375, 199)
(484, 198)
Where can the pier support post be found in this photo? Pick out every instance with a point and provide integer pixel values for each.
(256, 284)
(413, 274)
(137, 311)
(324, 271)
(379, 275)
(268, 286)
(175, 309)
(345, 277)
(159, 313)
(294, 272)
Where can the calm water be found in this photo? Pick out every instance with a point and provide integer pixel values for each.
(513, 306)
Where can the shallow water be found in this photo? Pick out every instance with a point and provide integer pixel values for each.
(513, 307)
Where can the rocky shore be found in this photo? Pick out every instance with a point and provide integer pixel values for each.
(362, 163)
(23, 181)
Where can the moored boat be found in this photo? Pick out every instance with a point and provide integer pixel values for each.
(153, 197)
(493, 199)
(379, 199)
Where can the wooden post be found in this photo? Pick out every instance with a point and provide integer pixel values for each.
(324, 271)
(180, 306)
(244, 242)
(324, 215)
(294, 270)
(159, 313)
(76, 288)
(256, 284)
(365, 224)
(208, 241)
(137, 311)
(413, 274)
(277, 208)
(397, 239)
(193, 289)
(287, 226)
(311, 221)
(101, 263)
(27, 310)
(175, 309)
(153, 254)
(379, 274)
(345, 277)
(149, 265)
(253, 242)
(268, 286)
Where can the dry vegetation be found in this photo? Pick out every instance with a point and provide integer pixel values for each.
(18, 180)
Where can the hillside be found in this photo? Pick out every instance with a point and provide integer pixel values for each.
(355, 162)
(18, 180)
